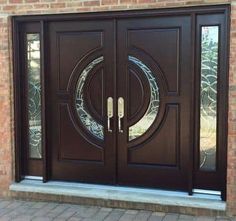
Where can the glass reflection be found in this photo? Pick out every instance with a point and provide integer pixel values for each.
(147, 120)
(34, 95)
(208, 108)
(87, 120)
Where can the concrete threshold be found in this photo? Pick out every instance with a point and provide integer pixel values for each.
(121, 197)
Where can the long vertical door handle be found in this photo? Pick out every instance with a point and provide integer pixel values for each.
(109, 113)
(120, 112)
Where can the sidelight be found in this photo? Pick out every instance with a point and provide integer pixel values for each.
(34, 95)
(208, 97)
(147, 120)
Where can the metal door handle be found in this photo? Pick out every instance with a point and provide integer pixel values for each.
(109, 113)
(120, 112)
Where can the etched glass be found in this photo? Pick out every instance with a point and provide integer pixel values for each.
(208, 97)
(34, 95)
(87, 120)
(150, 115)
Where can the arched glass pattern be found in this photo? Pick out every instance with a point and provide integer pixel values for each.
(147, 120)
(87, 120)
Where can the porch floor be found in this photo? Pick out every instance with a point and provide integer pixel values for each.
(20, 210)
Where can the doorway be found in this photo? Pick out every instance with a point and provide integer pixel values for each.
(130, 98)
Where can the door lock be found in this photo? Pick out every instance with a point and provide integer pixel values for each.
(109, 113)
(120, 112)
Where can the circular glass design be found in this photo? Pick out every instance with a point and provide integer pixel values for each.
(86, 119)
(139, 128)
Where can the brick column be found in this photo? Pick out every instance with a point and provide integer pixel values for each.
(231, 171)
(6, 137)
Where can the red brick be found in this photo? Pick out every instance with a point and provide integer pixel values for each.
(32, 1)
(57, 5)
(128, 1)
(109, 2)
(91, 3)
(15, 1)
(146, 1)
(41, 6)
(9, 7)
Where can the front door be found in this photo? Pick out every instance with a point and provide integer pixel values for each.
(155, 79)
(82, 64)
(120, 101)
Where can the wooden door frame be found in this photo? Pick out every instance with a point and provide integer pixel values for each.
(19, 130)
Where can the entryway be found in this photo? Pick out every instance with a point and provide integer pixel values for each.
(121, 101)
(129, 98)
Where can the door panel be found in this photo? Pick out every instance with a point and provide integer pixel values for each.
(94, 99)
(68, 41)
(166, 55)
(81, 76)
(165, 139)
(154, 149)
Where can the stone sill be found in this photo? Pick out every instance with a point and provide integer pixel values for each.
(122, 197)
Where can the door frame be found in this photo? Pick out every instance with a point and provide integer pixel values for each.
(42, 20)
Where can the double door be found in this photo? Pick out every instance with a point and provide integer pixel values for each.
(120, 95)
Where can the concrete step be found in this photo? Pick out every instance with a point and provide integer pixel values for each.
(120, 197)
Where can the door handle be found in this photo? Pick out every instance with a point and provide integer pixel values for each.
(120, 112)
(109, 113)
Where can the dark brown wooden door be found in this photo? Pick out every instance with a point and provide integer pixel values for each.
(155, 80)
(151, 111)
(80, 80)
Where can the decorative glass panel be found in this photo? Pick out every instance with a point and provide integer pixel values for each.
(87, 120)
(208, 108)
(147, 120)
(34, 95)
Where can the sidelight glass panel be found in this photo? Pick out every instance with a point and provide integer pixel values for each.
(87, 120)
(34, 95)
(208, 97)
(147, 120)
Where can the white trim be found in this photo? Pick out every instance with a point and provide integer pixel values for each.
(208, 192)
(33, 178)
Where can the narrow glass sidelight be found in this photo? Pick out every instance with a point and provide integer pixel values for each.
(208, 97)
(34, 95)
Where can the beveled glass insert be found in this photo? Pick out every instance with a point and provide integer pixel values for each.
(208, 97)
(87, 120)
(34, 95)
(139, 128)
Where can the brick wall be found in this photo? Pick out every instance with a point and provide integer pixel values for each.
(5, 106)
(13, 7)
(231, 176)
